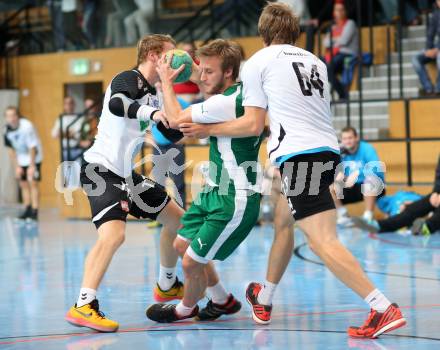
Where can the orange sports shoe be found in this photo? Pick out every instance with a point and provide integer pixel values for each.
(378, 323)
(164, 296)
(260, 313)
(90, 316)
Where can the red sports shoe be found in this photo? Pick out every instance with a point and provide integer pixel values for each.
(260, 313)
(378, 323)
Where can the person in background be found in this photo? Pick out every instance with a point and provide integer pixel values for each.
(26, 154)
(307, 24)
(72, 31)
(137, 23)
(56, 17)
(410, 10)
(358, 175)
(115, 22)
(70, 136)
(341, 43)
(423, 215)
(431, 54)
(91, 21)
(89, 126)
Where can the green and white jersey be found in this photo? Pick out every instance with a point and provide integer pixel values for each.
(233, 161)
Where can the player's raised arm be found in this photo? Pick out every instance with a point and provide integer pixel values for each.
(173, 110)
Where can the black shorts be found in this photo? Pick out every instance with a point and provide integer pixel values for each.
(112, 197)
(306, 180)
(354, 194)
(37, 173)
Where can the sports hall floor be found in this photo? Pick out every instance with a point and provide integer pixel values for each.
(41, 269)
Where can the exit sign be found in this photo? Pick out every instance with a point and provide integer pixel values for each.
(79, 66)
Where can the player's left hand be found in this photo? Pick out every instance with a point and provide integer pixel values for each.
(160, 116)
(166, 73)
(198, 131)
(30, 173)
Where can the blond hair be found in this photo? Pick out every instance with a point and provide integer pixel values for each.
(153, 42)
(278, 24)
(13, 108)
(228, 51)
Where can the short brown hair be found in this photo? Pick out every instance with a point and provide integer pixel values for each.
(278, 24)
(227, 50)
(350, 129)
(13, 108)
(153, 42)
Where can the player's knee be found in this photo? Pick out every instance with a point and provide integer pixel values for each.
(322, 244)
(190, 267)
(23, 184)
(113, 240)
(34, 184)
(180, 246)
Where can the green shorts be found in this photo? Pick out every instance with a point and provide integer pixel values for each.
(216, 224)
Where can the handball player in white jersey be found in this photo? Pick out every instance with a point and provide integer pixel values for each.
(114, 190)
(291, 84)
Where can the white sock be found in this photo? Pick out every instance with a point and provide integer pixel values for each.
(86, 295)
(368, 215)
(218, 294)
(377, 301)
(183, 310)
(266, 294)
(342, 211)
(167, 277)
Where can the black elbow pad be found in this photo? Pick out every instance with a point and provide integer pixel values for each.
(132, 110)
(172, 135)
(116, 106)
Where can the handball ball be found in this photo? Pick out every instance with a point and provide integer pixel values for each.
(181, 57)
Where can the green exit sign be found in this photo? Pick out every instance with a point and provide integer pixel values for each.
(79, 66)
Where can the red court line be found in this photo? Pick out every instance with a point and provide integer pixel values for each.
(402, 244)
(186, 323)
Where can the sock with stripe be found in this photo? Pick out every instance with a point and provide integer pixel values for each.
(86, 295)
(167, 277)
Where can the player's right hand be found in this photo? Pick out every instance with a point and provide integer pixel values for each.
(166, 73)
(18, 172)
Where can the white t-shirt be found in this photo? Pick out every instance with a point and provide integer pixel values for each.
(22, 140)
(119, 139)
(292, 84)
(74, 129)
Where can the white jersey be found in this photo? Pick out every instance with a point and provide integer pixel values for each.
(22, 139)
(292, 84)
(119, 139)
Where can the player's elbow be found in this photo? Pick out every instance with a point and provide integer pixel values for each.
(116, 105)
(256, 129)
